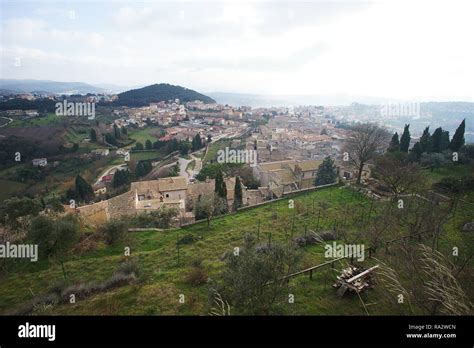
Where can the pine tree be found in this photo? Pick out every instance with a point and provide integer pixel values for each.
(237, 194)
(405, 139)
(458, 138)
(394, 143)
(327, 173)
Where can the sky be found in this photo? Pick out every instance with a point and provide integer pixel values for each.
(392, 49)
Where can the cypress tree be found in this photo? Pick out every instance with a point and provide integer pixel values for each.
(148, 144)
(220, 188)
(437, 140)
(93, 135)
(425, 140)
(405, 139)
(394, 143)
(458, 138)
(83, 190)
(237, 194)
(444, 140)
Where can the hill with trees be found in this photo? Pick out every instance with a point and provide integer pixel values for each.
(159, 92)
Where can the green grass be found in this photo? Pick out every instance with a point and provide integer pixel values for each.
(157, 256)
(214, 147)
(148, 155)
(438, 174)
(51, 118)
(164, 279)
(142, 135)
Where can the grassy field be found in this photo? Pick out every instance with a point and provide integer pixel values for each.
(147, 155)
(163, 279)
(50, 119)
(456, 171)
(142, 135)
(214, 147)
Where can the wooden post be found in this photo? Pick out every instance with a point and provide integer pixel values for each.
(319, 215)
(177, 247)
(258, 230)
(311, 275)
(64, 270)
(293, 224)
(371, 205)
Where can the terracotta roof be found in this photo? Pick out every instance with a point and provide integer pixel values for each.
(152, 187)
(173, 183)
(270, 166)
(203, 188)
(284, 176)
(309, 165)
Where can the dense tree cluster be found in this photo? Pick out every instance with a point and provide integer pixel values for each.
(143, 168)
(82, 191)
(121, 177)
(159, 92)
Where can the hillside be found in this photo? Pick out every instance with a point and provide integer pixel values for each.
(159, 92)
(45, 86)
(163, 275)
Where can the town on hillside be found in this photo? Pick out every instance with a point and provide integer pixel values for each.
(165, 162)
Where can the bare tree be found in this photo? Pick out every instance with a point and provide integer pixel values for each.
(398, 174)
(365, 143)
(208, 206)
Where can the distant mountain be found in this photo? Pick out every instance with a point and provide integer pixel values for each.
(113, 89)
(159, 92)
(262, 100)
(45, 86)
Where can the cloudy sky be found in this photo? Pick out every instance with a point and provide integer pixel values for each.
(391, 49)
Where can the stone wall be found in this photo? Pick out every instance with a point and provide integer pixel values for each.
(94, 214)
(120, 205)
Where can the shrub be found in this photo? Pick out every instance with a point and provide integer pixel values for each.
(197, 276)
(54, 235)
(304, 240)
(129, 267)
(327, 235)
(114, 231)
(188, 239)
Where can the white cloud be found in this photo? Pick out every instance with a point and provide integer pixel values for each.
(395, 49)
